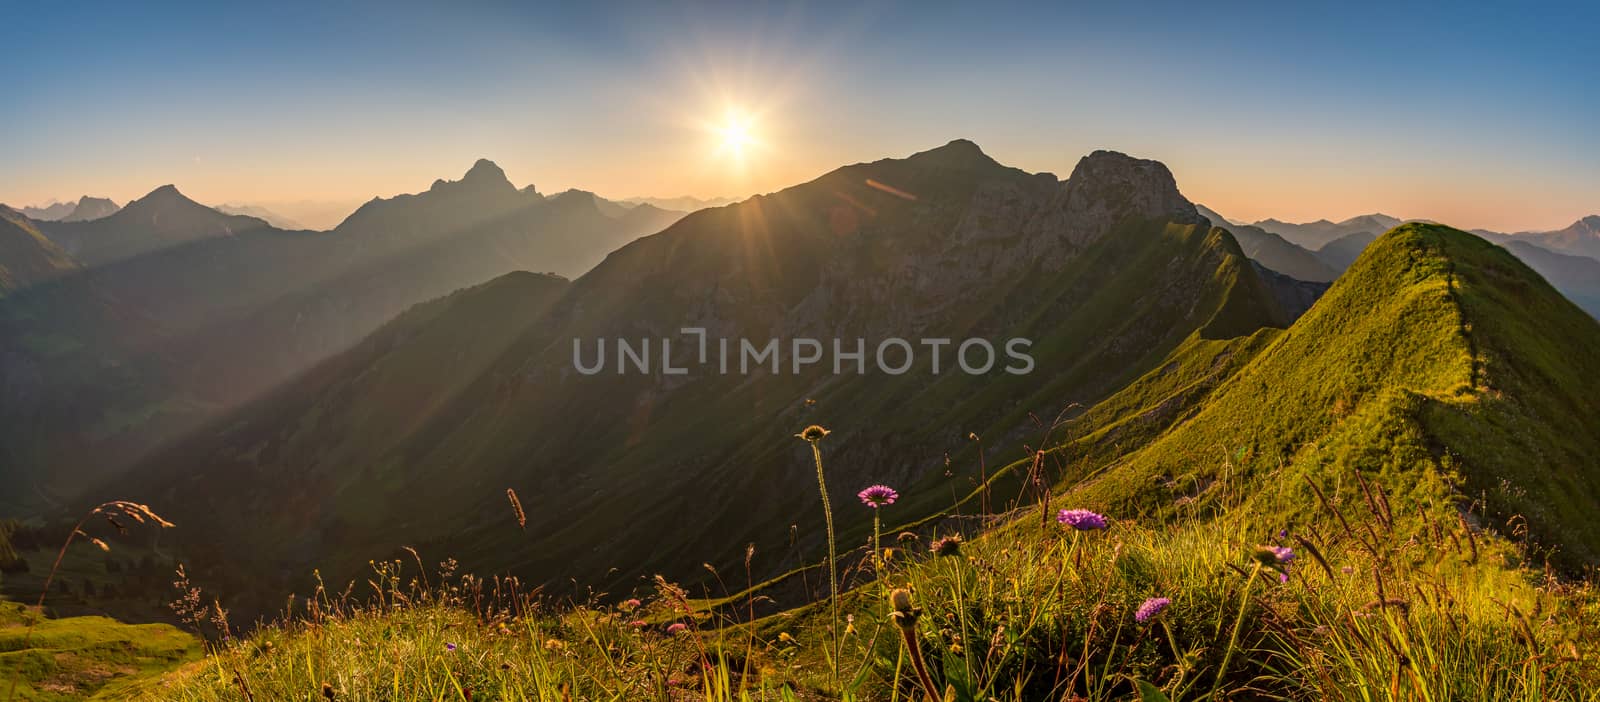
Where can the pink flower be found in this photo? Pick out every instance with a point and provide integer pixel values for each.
(677, 628)
(878, 496)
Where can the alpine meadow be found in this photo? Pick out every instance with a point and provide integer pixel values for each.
(789, 390)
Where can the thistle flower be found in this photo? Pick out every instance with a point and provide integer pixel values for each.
(947, 546)
(878, 496)
(813, 433)
(677, 628)
(900, 598)
(1151, 609)
(1081, 519)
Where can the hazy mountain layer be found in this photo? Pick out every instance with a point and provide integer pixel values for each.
(98, 367)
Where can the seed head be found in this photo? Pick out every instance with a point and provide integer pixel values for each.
(947, 546)
(813, 433)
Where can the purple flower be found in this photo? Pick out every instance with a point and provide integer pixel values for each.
(1151, 609)
(1081, 519)
(677, 628)
(878, 496)
(1284, 554)
(449, 647)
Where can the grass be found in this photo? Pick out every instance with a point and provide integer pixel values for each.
(1025, 612)
(1359, 441)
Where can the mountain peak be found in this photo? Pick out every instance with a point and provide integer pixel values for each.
(484, 175)
(1107, 186)
(484, 170)
(958, 153)
(163, 196)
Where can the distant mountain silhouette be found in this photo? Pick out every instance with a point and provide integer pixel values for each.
(1315, 235)
(49, 212)
(84, 208)
(680, 204)
(260, 213)
(191, 311)
(1340, 253)
(162, 219)
(1273, 251)
(1581, 238)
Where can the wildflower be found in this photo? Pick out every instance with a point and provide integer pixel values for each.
(450, 647)
(878, 496)
(947, 546)
(813, 433)
(631, 604)
(784, 637)
(900, 599)
(637, 623)
(1151, 609)
(554, 645)
(1081, 519)
(905, 614)
(1276, 558)
(677, 628)
(1273, 556)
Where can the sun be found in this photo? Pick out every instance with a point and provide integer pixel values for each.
(735, 135)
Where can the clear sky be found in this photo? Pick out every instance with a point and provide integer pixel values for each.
(1480, 116)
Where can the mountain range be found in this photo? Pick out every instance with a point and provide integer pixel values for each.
(176, 312)
(1320, 251)
(1153, 337)
(1107, 274)
(681, 204)
(84, 208)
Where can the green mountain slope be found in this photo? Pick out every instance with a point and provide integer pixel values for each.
(76, 658)
(26, 256)
(1438, 365)
(1107, 273)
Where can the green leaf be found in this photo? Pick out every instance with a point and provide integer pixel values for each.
(1149, 693)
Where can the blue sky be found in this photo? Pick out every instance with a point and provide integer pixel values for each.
(1474, 115)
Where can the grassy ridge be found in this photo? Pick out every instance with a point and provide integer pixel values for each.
(1384, 439)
